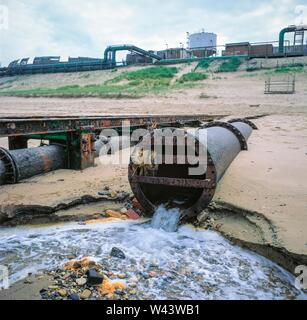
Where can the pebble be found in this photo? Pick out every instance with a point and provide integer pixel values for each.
(114, 194)
(152, 274)
(117, 253)
(63, 293)
(122, 276)
(94, 278)
(81, 282)
(74, 297)
(85, 294)
(123, 211)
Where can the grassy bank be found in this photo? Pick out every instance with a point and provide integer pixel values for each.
(130, 84)
(230, 65)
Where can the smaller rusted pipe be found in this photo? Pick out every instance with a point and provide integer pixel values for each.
(34, 161)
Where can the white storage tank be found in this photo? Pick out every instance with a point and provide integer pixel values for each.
(202, 40)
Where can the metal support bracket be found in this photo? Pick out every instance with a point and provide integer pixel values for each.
(231, 128)
(81, 149)
(250, 123)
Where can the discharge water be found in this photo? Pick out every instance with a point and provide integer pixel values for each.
(190, 263)
(166, 220)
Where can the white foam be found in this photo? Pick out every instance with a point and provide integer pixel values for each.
(195, 264)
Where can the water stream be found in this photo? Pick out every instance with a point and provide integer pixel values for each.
(190, 263)
(166, 220)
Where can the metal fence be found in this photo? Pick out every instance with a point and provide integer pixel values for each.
(280, 86)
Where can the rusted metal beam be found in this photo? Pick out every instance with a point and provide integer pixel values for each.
(41, 125)
(172, 182)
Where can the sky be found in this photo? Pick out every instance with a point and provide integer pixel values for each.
(30, 28)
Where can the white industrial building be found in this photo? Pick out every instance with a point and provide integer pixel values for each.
(202, 40)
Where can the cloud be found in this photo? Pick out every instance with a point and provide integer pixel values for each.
(85, 28)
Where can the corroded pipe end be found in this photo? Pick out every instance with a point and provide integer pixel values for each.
(172, 185)
(11, 172)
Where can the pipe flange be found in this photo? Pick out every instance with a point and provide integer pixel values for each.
(11, 172)
(230, 127)
(250, 123)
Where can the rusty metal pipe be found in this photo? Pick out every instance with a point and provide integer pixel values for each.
(25, 163)
(172, 185)
(22, 164)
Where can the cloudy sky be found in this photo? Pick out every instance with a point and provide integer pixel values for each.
(85, 28)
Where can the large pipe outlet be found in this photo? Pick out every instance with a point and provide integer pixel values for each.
(175, 185)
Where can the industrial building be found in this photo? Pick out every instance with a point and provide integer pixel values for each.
(295, 44)
(174, 53)
(137, 58)
(202, 44)
(236, 49)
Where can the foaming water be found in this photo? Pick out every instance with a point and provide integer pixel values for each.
(166, 220)
(190, 263)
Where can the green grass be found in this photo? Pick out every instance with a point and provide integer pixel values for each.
(252, 69)
(130, 83)
(290, 68)
(193, 77)
(153, 73)
(230, 65)
(203, 64)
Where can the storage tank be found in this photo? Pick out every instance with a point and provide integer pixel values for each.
(202, 40)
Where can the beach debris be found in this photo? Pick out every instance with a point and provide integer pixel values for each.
(108, 288)
(131, 214)
(114, 214)
(136, 204)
